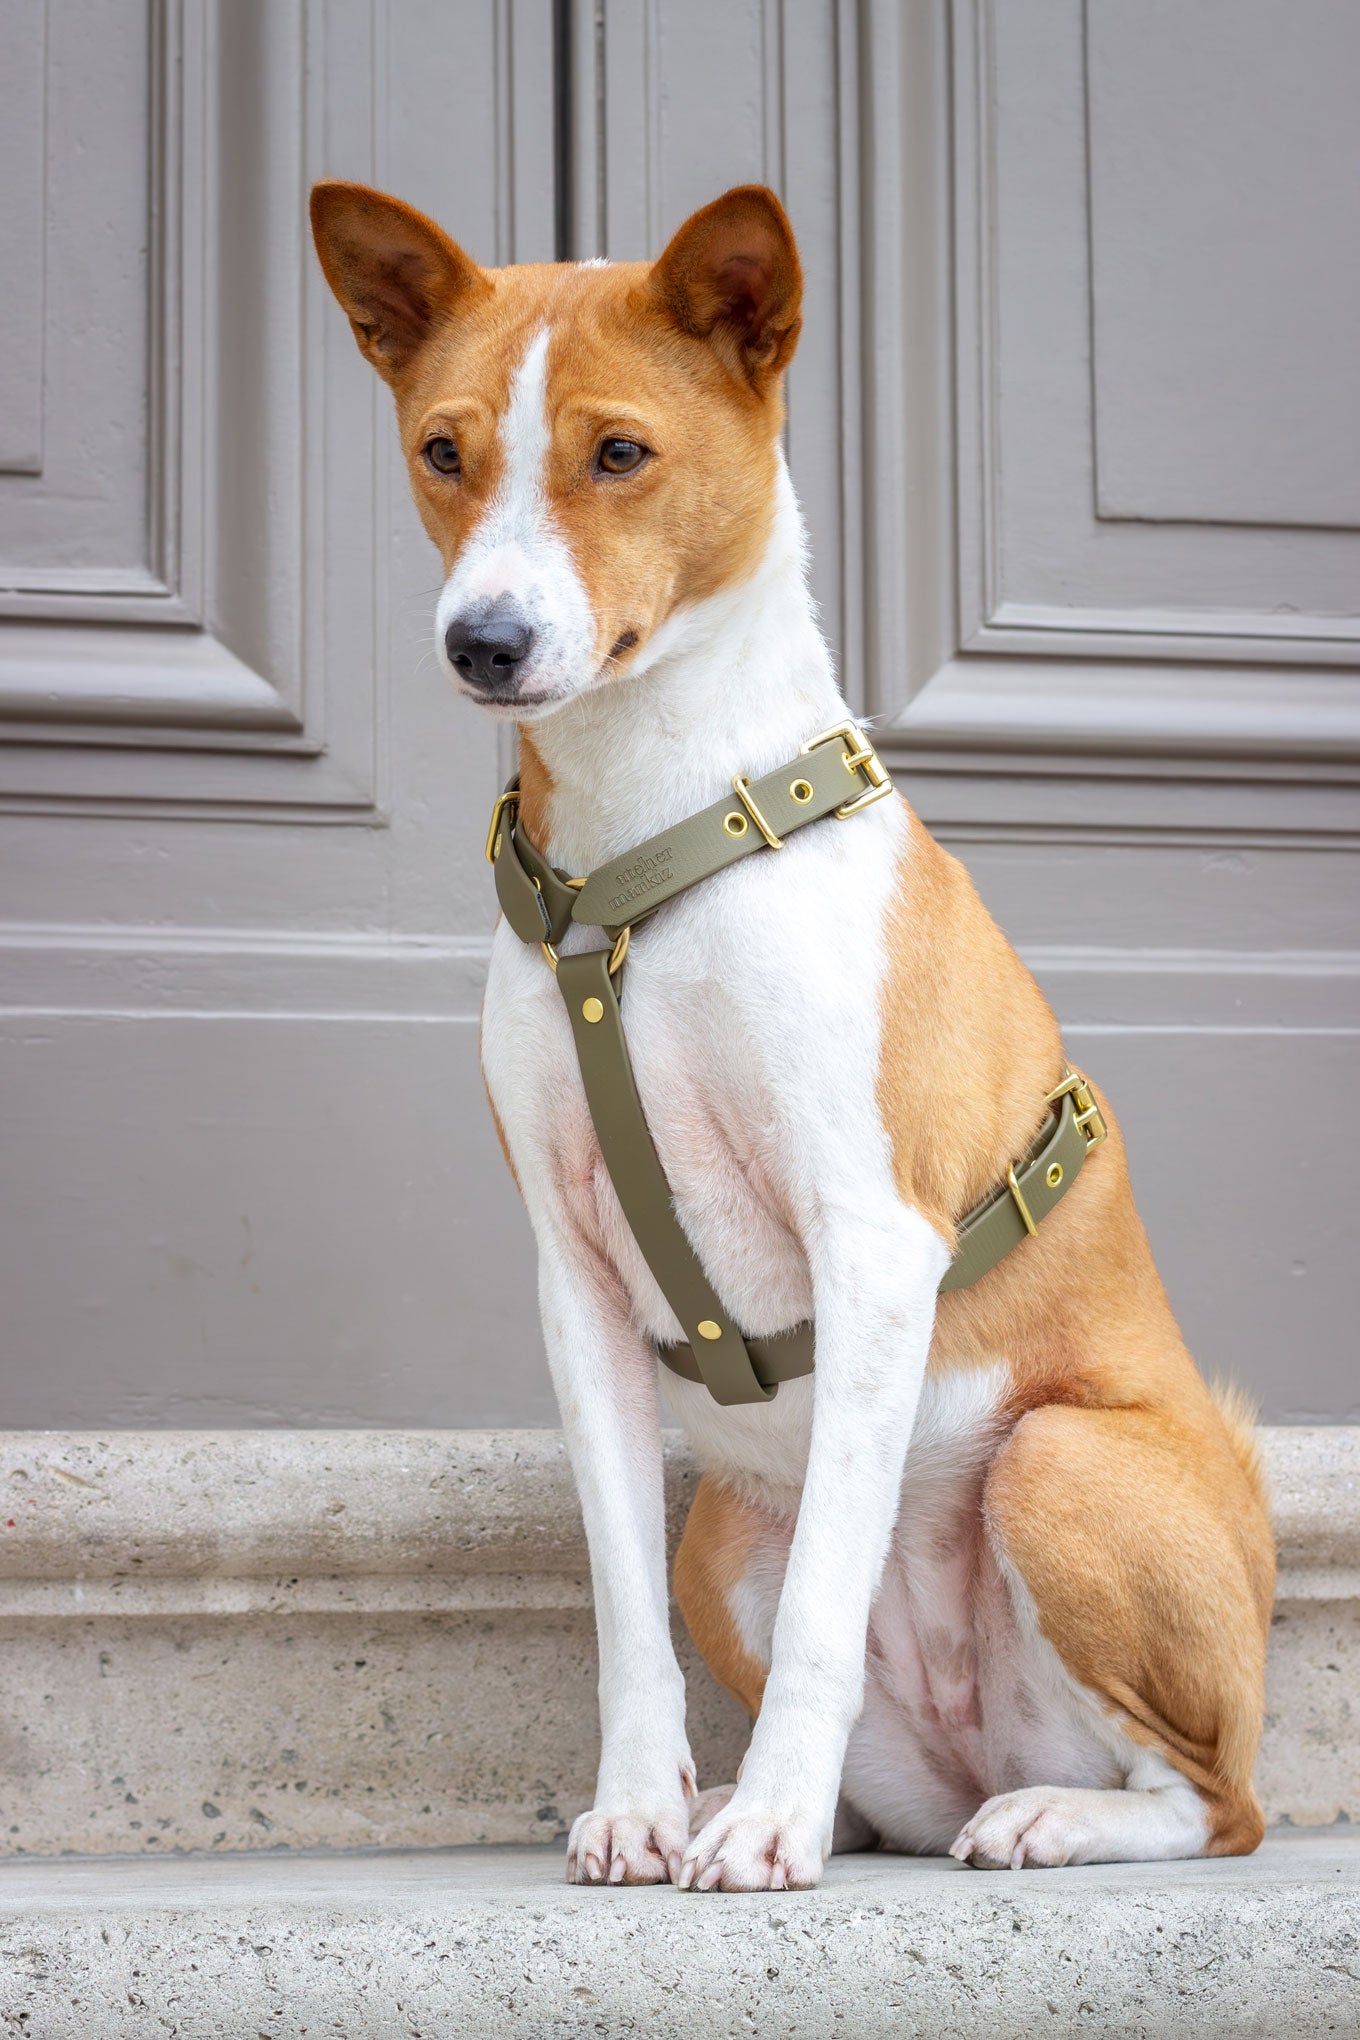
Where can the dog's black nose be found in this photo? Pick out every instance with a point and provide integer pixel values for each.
(487, 643)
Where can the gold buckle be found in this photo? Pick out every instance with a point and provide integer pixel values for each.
(503, 800)
(861, 757)
(742, 789)
(1089, 1116)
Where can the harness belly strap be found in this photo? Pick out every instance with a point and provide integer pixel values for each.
(541, 903)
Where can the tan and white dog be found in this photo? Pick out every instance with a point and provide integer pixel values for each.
(999, 1573)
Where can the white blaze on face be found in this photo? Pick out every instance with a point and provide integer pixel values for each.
(516, 554)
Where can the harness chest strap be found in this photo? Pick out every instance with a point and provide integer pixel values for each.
(734, 1369)
(540, 903)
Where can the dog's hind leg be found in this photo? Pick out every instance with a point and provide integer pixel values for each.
(1139, 1550)
(728, 1571)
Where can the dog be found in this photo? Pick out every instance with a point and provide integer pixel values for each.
(995, 1577)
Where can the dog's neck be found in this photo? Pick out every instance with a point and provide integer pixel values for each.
(733, 684)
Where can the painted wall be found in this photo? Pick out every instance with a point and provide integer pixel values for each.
(1077, 428)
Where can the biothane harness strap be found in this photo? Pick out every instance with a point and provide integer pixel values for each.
(541, 903)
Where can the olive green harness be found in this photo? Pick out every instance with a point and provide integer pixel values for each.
(836, 773)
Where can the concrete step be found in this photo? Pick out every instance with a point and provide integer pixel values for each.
(492, 1941)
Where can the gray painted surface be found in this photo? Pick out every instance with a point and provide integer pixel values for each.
(1109, 629)
(1191, 426)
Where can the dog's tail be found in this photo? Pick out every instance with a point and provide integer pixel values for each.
(1239, 1412)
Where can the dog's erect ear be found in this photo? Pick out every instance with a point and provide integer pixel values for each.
(396, 273)
(731, 276)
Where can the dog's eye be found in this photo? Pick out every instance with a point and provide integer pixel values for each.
(442, 456)
(619, 456)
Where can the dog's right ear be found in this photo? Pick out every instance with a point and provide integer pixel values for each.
(396, 273)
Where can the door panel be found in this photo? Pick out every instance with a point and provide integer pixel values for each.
(1108, 635)
(1224, 186)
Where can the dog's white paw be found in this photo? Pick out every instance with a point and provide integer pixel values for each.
(1039, 1828)
(754, 1851)
(626, 1848)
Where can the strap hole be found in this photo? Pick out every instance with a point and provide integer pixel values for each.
(801, 791)
(1055, 1175)
(735, 824)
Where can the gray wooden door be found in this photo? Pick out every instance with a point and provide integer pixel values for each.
(1076, 425)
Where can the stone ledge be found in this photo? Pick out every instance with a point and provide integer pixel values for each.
(254, 1640)
(493, 1943)
(249, 1504)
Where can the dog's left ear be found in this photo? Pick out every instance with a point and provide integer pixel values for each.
(731, 276)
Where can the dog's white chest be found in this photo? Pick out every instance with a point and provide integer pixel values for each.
(749, 1006)
(719, 1118)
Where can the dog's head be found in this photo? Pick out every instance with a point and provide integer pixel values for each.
(592, 446)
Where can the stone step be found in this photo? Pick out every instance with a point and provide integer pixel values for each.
(247, 1640)
(492, 1942)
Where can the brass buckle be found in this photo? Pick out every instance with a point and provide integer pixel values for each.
(861, 757)
(1089, 1116)
(493, 835)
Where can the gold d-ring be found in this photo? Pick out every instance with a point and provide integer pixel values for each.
(616, 954)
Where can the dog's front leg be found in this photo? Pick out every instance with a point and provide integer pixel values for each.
(874, 1284)
(605, 1377)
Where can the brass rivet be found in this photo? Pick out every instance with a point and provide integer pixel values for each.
(707, 1329)
(593, 1009)
(801, 791)
(735, 824)
(1054, 1175)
